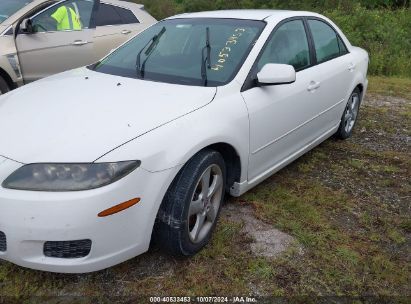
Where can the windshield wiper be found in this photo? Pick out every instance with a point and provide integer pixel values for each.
(151, 44)
(206, 61)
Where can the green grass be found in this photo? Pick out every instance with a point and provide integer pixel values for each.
(391, 86)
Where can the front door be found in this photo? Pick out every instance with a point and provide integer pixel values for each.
(282, 116)
(62, 39)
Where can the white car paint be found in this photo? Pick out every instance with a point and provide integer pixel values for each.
(94, 125)
(106, 118)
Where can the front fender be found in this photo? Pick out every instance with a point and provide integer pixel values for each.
(225, 120)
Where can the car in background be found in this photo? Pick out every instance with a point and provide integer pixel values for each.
(144, 144)
(33, 45)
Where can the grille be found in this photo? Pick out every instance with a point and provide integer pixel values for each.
(3, 242)
(67, 249)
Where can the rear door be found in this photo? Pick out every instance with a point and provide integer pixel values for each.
(115, 24)
(53, 48)
(334, 71)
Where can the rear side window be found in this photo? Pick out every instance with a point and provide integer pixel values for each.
(107, 15)
(127, 16)
(288, 45)
(114, 15)
(325, 41)
(343, 48)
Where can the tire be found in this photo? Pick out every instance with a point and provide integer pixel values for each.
(350, 115)
(4, 87)
(175, 231)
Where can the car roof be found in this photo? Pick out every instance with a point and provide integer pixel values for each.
(246, 14)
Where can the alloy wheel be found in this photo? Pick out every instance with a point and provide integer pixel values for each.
(351, 112)
(205, 203)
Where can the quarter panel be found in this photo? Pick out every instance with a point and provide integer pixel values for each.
(8, 48)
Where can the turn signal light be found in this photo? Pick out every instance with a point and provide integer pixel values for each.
(119, 208)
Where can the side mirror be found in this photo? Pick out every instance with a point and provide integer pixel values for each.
(26, 26)
(275, 74)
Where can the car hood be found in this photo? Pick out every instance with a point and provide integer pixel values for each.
(78, 116)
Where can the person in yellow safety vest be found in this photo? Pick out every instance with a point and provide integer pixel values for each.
(67, 19)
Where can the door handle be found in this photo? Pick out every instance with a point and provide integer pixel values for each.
(79, 42)
(313, 86)
(351, 67)
(125, 32)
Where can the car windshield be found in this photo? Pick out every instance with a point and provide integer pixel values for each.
(9, 7)
(177, 51)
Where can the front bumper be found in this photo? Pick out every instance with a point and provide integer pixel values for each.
(29, 219)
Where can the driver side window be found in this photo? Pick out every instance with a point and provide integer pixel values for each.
(72, 15)
(288, 45)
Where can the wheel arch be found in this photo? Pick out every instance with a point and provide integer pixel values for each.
(360, 86)
(231, 158)
(358, 82)
(232, 161)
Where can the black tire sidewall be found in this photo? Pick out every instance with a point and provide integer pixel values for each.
(187, 245)
(4, 88)
(178, 200)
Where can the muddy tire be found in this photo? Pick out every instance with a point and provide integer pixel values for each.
(191, 207)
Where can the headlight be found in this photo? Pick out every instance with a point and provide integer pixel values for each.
(68, 177)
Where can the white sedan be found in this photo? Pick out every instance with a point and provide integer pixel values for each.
(98, 161)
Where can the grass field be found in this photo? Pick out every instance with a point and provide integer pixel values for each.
(347, 203)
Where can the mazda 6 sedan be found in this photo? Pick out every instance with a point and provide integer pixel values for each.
(99, 162)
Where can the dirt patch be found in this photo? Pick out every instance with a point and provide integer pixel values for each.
(385, 101)
(266, 241)
(384, 124)
(152, 264)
